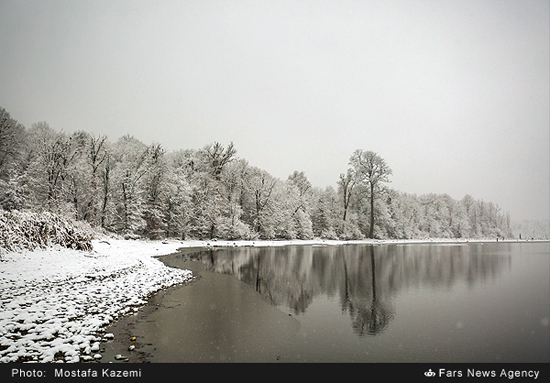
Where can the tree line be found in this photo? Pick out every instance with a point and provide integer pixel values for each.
(134, 189)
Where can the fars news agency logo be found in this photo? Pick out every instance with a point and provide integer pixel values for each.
(429, 373)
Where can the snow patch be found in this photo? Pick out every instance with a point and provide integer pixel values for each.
(55, 302)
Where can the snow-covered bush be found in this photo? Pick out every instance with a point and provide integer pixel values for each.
(12, 194)
(228, 228)
(350, 231)
(329, 233)
(27, 230)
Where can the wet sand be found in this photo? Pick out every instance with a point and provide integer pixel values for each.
(215, 318)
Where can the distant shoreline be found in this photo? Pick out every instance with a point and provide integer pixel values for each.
(192, 244)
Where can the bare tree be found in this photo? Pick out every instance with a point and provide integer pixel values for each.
(217, 157)
(346, 185)
(370, 170)
(105, 188)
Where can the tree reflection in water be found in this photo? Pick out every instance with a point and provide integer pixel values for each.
(365, 277)
(370, 316)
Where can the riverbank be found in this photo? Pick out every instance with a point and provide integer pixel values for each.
(55, 304)
(215, 318)
(330, 242)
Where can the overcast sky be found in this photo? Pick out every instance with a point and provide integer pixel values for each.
(454, 95)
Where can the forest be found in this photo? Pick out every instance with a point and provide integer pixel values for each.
(144, 191)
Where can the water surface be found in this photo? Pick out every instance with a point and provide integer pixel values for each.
(358, 303)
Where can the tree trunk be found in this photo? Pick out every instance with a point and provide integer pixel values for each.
(371, 229)
(106, 186)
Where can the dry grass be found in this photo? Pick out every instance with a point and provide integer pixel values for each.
(27, 230)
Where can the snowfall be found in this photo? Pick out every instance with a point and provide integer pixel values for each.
(56, 303)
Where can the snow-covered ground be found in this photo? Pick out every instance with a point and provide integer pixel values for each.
(55, 304)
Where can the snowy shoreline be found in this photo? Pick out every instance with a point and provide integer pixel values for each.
(331, 242)
(56, 303)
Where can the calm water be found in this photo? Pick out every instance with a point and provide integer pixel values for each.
(361, 303)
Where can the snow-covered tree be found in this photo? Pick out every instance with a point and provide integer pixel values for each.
(260, 188)
(84, 176)
(370, 170)
(178, 202)
(299, 195)
(133, 188)
(11, 142)
(129, 156)
(234, 178)
(51, 156)
(215, 157)
(326, 213)
(156, 192)
(531, 229)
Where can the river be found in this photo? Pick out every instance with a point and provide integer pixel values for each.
(464, 302)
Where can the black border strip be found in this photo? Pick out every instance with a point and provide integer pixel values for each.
(429, 372)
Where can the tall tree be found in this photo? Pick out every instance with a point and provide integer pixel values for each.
(155, 189)
(11, 140)
(299, 194)
(234, 178)
(260, 186)
(326, 213)
(130, 156)
(13, 193)
(346, 185)
(301, 189)
(51, 157)
(96, 154)
(371, 170)
(84, 175)
(105, 188)
(178, 202)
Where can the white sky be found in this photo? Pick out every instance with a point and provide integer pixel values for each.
(453, 94)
